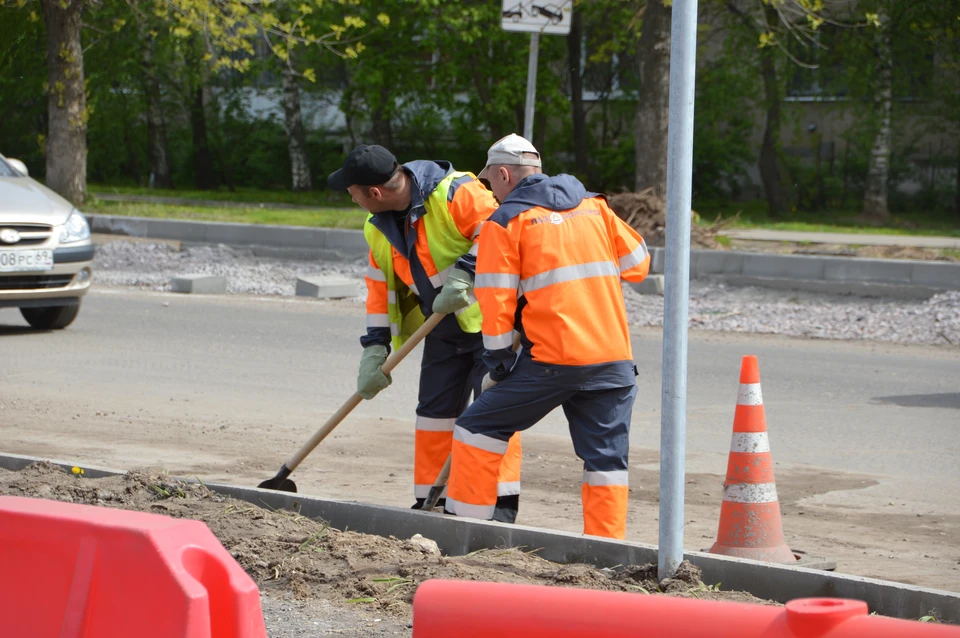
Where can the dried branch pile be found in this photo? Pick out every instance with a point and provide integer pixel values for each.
(647, 214)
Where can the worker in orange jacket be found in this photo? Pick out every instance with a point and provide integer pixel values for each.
(550, 263)
(424, 221)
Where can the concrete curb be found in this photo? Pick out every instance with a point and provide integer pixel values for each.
(836, 275)
(199, 284)
(291, 241)
(461, 536)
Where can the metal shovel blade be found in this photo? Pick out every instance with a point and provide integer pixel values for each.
(280, 482)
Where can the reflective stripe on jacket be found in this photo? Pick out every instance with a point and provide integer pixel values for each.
(552, 257)
(447, 210)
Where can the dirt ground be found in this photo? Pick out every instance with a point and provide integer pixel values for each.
(370, 462)
(303, 558)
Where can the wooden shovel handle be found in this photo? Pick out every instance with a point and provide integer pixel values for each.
(392, 362)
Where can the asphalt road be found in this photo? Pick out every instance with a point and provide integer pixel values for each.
(885, 410)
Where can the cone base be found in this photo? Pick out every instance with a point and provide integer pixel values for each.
(776, 554)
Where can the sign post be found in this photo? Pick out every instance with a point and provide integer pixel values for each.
(535, 17)
(676, 298)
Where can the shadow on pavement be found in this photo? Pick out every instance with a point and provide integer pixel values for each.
(944, 400)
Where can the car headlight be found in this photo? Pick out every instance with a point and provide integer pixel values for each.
(75, 228)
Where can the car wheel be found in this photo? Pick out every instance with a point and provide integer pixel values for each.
(54, 318)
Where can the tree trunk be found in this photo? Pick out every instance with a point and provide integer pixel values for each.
(956, 194)
(296, 137)
(382, 129)
(875, 198)
(480, 84)
(202, 160)
(769, 163)
(574, 55)
(539, 140)
(157, 147)
(653, 108)
(66, 144)
(133, 167)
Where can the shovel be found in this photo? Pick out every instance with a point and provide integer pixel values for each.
(438, 486)
(284, 484)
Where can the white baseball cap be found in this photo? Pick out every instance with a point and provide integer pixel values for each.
(508, 151)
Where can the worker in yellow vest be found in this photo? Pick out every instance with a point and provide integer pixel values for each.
(423, 227)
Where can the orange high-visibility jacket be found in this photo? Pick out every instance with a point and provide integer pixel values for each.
(550, 264)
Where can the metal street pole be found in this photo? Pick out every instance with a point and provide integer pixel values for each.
(673, 424)
(531, 85)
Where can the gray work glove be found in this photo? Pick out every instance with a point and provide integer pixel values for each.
(487, 383)
(453, 295)
(371, 378)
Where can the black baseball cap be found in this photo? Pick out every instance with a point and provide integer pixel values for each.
(366, 166)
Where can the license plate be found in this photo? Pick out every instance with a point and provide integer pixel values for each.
(21, 260)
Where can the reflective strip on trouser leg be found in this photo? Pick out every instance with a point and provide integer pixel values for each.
(433, 439)
(600, 429)
(472, 490)
(605, 508)
(508, 478)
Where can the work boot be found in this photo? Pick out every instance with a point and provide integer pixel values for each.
(507, 507)
(420, 501)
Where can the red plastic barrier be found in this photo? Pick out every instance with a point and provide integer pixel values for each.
(82, 571)
(442, 609)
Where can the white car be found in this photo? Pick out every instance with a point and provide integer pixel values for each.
(46, 252)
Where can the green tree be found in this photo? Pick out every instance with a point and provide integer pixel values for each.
(779, 32)
(653, 105)
(66, 148)
(915, 54)
(600, 58)
(226, 26)
(153, 56)
(875, 198)
(448, 79)
(22, 98)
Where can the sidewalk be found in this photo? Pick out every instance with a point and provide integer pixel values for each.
(862, 239)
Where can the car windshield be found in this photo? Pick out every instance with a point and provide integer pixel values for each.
(6, 170)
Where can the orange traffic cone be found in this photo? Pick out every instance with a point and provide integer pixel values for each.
(750, 524)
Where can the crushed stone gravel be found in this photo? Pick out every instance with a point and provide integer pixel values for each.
(714, 305)
(151, 266)
(717, 306)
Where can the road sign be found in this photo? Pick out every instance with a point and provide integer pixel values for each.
(537, 16)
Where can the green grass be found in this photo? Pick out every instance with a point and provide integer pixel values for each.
(251, 195)
(321, 217)
(753, 214)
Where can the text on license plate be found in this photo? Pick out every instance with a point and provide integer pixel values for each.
(18, 260)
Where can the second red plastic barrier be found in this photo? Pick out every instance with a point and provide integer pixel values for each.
(442, 609)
